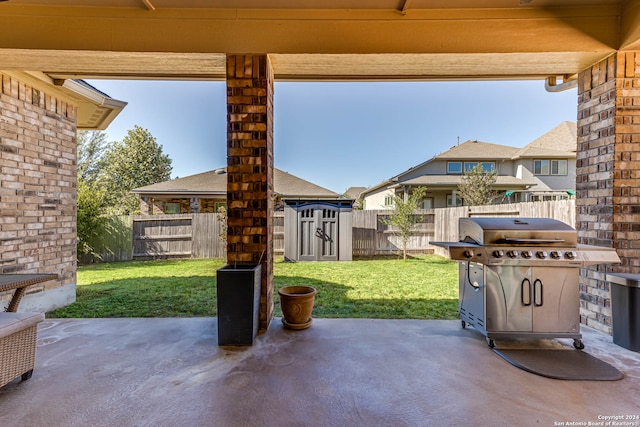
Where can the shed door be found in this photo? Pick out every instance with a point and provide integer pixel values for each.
(318, 236)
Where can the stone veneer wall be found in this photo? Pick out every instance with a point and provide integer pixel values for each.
(37, 189)
(250, 169)
(607, 176)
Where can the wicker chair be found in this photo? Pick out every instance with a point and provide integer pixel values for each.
(18, 334)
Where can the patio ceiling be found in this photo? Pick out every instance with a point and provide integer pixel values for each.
(316, 39)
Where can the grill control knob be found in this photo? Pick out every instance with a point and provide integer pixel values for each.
(512, 254)
(527, 254)
(541, 254)
(555, 254)
(468, 253)
(570, 255)
(498, 254)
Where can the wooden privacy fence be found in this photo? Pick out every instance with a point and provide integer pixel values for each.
(111, 241)
(371, 236)
(186, 236)
(198, 235)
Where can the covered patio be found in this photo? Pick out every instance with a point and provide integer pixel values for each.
(339, 372)
(591, 44)
(346, 372)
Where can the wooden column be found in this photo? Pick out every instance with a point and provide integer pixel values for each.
(608, 176)
(250, 169)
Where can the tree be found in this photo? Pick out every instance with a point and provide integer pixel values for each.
(91, 201)
(135, 162)
(90, 198)
(404, 218)
(91, 146)
(476, 186)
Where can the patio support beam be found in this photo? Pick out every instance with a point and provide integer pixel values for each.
(607, 172)
(250, 169)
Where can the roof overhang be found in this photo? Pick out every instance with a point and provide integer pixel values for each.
(177, 194)
(96, 110)
(317, 40)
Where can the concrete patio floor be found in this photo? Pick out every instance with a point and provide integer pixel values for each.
(339, 372)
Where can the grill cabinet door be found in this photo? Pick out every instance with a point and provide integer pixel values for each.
(507, 306)
(556, 299)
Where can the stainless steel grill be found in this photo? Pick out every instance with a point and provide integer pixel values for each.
(519, 277)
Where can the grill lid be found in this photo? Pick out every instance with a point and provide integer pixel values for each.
(517, 231)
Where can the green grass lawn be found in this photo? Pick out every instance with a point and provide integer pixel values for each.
(424, 287)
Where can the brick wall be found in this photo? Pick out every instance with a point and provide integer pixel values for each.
(37, 189)
(250, 169)
(608, 168)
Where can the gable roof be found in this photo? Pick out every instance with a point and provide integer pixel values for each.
(559, 142)
(214, 183)
(354, 192)
(478, 150)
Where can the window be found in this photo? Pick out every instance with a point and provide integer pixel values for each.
(486, 166)
(427, 203)
(388, 200)
(219, 205)
(558, 167)
(172, 208)
(454, 167)
(550, 167)
(450, 200)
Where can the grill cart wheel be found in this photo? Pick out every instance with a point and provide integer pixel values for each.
(577, 343)
(464, 325)
(491, 343)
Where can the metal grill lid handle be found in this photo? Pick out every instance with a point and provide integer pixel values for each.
(530, 241)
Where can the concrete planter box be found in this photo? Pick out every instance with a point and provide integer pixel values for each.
(238, 292)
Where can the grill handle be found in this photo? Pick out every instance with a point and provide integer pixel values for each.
(528, 292)
(530, 241)
(538, 284)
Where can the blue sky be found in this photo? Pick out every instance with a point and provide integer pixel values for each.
(339, 135)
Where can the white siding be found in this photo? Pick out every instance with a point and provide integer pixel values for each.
(376, 200)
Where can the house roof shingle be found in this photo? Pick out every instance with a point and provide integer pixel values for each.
(214, 183)
(478, 150)
(559, 142)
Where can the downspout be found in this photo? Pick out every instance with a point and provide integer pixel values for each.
(551, 84)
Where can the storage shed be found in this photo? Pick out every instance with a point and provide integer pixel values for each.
(318, 230)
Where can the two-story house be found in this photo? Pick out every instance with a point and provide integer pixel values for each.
(542, 170)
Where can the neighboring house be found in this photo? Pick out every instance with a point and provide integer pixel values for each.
(207, 191)
(542, 170)
(355, 193)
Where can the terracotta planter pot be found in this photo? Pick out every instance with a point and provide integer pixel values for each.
(296, 303)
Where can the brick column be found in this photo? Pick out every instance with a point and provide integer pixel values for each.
(607, 175)
(250, 169)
